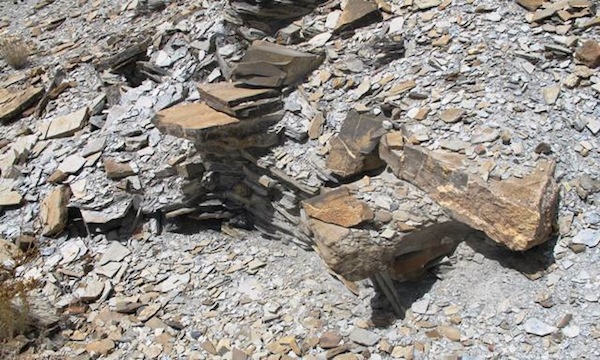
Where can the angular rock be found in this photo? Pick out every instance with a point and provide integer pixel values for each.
(101, 347)
(449, 332)
(271, 65)
(10, 198)
(108, 218)
(537, 327)
(72, 164)
(550, 94)
(205, 126)
(338, 207)
(238, 101)
(403, 246)
(53, 212)
(531, 5)
(329, 339)
(416, 250)
(357, 13)
(12, 103)
(515, 212)
(364, 337)
(94, 146)
(589, 53)
(485, 135)
(115, 252)
(67, 125)
(116, 170)
(354, 149)
(90, 291)
(451, 116)
(587, 237)
(347, 252)
(190, 119)
(427, 4)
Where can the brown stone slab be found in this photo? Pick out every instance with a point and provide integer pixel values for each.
(348, 252)
(10, 198)
(531, 5)
(516, 212)
(354, 149)
(54, 212)
(224, 96)
(116, 170)
(338, 207)
(67, 125)
(357, 13)
(190, 117)
(13, 103)
(208, 127)
(589, 53)
(294, 64)
(259, 74)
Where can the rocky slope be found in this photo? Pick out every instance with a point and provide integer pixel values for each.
(326, 180)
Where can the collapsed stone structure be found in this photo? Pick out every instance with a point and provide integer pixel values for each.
(438, 198)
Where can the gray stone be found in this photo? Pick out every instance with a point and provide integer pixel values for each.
(115, 252)
(93, 146)
(537, 327)
(364, 337)
(485, 135)
(587, 237)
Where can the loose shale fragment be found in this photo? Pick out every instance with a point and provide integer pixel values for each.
(354, 149)
(54, 213)
(271, 65)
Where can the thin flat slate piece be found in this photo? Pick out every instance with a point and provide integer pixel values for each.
(181, 119)
(231, 99)
(12, 104)
(294, 64)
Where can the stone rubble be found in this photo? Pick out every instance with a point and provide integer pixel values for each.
(175, 164)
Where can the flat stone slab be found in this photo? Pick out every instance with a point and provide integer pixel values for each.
(357, 13)
(190, 119)
(13, 103)
(67, 125)
(263, 58)
(338, 207)
(208, 127)
(234, 100)
(54, 213)
(10, 198)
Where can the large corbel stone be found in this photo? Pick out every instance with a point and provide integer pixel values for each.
(516, 212)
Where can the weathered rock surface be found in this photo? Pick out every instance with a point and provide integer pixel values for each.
(357, 13)
(589, 53)
(54, 212)
(13, 103)
(354, 149)
(271, 65)
(67, 125)
(116, 170)
(234, 100)
(338, 207)
(10, 198)
(401, 245)
(518, 213)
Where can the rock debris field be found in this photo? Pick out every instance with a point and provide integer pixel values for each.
(358, 179)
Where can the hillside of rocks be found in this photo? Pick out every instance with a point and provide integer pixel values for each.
(341, 179)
